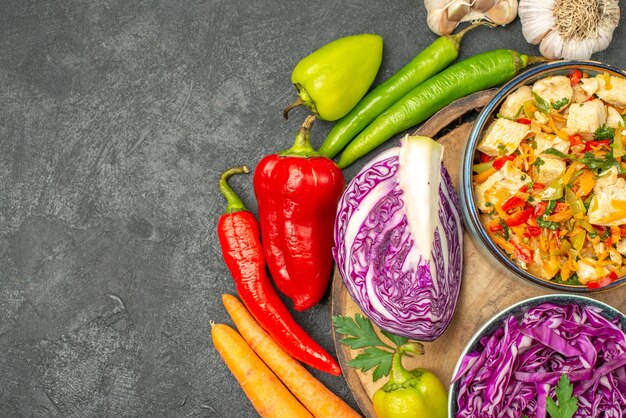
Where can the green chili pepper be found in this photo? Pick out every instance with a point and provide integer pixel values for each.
(476, 73)
(414, 393)
(427, 63)
(331, 80)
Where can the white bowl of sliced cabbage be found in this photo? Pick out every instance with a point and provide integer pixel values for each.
(543, 355)
(544, 177)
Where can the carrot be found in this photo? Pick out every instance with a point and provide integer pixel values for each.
(310, 391)
(266, 392)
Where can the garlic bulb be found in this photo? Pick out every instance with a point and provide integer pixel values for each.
(572, 29)
(445, 15)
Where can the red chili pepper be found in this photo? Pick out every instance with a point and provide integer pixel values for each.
(298, 191)
(532, 231)
(575, 76)
(524, 121)
(622, 230)
(590, 145)
(513, 202)
(239, 235)
(519, 218)
(499, 162)
(575, 139)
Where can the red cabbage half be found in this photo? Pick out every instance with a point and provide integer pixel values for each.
(398, 238)
(519, 365)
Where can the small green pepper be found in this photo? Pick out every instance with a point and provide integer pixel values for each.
(414, 393)
(332, 80)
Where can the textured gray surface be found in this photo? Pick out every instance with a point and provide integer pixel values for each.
(116, 118)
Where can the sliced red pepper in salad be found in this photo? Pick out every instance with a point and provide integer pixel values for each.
(610, 278)
(519, 218)
(513, 202)
(575, 139)
(524, 121)
(575, 76)
(591, 145)
(498, 163)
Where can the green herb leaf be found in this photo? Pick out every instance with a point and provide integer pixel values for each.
(538, 163)
(554, 151)
(396, 339)
(604, 132)
(359, 330)
(598, 163)
(361, 334)
(560, 103)
(550, 207)
(373, 357)
(567, 404)
(541, 221)
(542, 105)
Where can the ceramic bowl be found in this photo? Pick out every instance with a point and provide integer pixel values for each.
(469, 210)
(518, 310)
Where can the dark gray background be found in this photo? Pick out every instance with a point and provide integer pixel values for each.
(116, 118)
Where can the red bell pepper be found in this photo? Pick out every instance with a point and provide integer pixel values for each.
(498, 163)
(591, 145)
(532, 231)
(238, 232)
(575, 139)
(513, 202)
(524, 121)
(610, 278)
(298, 191)
(518, 218)
(575, 77)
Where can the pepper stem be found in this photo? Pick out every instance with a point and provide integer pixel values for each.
(399, 374)
(302, 145)
(536, 59)
(234, 202)
(456, 38)
(298, 102)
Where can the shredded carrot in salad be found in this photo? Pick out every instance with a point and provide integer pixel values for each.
(550, 179)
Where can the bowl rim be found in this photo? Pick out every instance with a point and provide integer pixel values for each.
(520, 308)
(468, 207)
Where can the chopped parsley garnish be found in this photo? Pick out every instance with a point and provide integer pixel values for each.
(502, 149)
(604, 132)
(592, 161)
(538, 162)
(541, 221)
(560, 103)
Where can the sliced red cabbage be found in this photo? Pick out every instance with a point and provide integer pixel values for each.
(398, 240)
(520, 364)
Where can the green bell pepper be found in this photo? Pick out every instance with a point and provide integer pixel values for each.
(414, 393)
(332, 80)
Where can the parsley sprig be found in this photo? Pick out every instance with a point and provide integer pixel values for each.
(360, 334)
(567, 404)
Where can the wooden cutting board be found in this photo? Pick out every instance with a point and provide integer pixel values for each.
(485, 290)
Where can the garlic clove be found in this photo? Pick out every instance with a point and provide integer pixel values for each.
(439, 23)
(503, 12)
(578, 49)
(457, 9)
(536, 19)
(483, 5)
(551, 45)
